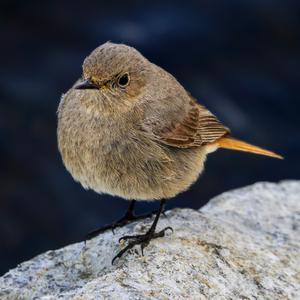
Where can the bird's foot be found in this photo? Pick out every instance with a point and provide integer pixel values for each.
(129, 217)
(142, 239)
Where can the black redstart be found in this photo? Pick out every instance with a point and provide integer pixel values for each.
(128, 128)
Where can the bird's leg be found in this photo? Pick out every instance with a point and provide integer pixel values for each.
(126, 219)
(144, 239)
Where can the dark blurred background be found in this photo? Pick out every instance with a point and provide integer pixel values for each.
(239, 58)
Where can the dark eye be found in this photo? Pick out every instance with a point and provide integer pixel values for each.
(123, 80)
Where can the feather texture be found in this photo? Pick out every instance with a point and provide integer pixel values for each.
(198, 128)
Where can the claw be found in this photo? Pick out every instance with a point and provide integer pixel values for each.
(143, 239)
(125, 237)
(123, 221)
(128, 247)
(169, 228)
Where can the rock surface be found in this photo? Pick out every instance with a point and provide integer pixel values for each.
(244, 244)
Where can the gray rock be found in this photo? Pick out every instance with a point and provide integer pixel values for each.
(244, 244)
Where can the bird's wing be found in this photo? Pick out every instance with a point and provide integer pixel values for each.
(198, 128)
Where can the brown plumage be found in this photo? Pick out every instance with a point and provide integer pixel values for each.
(128, 128)
(199, 127)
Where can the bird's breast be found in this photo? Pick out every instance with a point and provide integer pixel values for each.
(119, 160)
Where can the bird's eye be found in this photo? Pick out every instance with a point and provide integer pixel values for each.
(123, 80)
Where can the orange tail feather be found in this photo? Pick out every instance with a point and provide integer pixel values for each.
(233, 144)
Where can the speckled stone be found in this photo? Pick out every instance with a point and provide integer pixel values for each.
(244, 244)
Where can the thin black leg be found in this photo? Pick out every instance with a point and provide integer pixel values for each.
(126, 219)
(144, 239)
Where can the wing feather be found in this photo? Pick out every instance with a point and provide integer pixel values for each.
(198, 128)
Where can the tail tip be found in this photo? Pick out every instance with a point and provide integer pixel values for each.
(278, 156)
(234, 144)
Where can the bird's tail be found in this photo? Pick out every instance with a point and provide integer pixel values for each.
(234, 144)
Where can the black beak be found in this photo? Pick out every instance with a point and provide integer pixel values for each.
(85, 84)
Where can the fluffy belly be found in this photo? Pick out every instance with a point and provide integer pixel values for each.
(131, 177)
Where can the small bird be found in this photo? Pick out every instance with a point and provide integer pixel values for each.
(128, 128)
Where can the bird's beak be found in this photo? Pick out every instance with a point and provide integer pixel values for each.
(85, 84)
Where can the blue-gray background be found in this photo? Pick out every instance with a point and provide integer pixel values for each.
(239, 58)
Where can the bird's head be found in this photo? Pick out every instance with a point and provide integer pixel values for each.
(114, 75)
